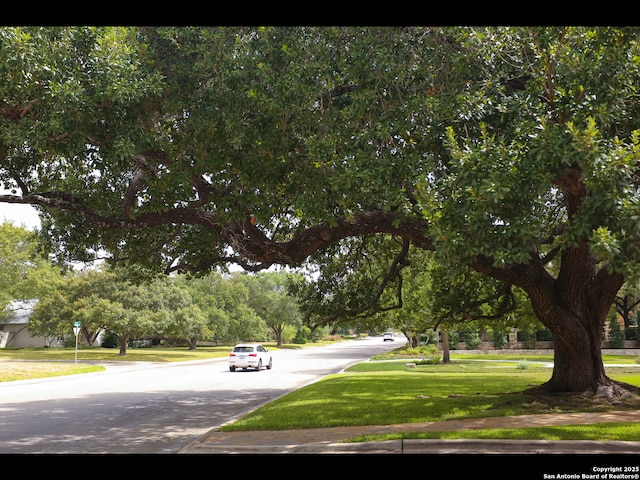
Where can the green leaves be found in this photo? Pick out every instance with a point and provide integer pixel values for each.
(474, 130)
(25, 272)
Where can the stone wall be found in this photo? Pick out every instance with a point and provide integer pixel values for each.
(541, 345)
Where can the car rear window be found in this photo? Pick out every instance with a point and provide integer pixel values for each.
(243, 349)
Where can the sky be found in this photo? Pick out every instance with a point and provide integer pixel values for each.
(20, 215)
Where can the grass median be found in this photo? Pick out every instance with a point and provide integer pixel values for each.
(388, 392)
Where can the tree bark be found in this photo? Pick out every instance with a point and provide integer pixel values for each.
(578, 365)
(446, 355)
(123, 344)
(574, 306)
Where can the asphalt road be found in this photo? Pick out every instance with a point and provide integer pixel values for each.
(156, 408)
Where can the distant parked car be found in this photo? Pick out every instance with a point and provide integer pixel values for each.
(388, 336)
(250, 355)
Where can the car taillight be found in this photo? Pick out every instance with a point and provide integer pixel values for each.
(253, 354)
(232, 355)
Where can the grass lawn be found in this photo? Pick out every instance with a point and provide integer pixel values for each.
(380, 392)
(18, 370)
(387, 392)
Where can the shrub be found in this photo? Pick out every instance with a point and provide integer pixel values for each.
(499, 339)
(454, 338)
(109, 340)
(544, 335)
(301, 336)
(616, 335)
(471, 337)
(429, 353)
(528, 338)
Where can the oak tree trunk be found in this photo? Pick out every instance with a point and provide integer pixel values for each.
(578, 366)
(574, 306)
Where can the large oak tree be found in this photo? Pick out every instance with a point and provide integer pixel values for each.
(511, 150)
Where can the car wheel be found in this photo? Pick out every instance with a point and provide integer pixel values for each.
(232, 369)
(259, 367)
(270, 364)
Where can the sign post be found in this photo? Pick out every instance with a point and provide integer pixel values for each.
(76, 330)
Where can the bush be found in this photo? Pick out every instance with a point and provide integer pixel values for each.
(454, 338)
(429, 354)
(499, 339)
(109, 340)
(616, 335)
(544, 335)
(471, 337)
(528, 338)
(301, 336)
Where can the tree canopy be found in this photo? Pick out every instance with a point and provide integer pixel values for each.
(512, 150)
(25, 272)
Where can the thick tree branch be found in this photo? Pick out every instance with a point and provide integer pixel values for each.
(367, 310)
(247, 239)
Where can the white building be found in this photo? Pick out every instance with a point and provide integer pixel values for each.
(14, 328)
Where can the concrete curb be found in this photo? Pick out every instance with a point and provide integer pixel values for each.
(433, 447)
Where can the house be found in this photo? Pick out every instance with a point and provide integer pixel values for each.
(14, 327)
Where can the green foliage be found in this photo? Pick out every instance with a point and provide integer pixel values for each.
(109, 340)
(426, 354)
(499, 338)
(209, 308)
(302, 334)
(631, 333)
(509, 151)
(471, 337)
(616, 334)
(528, 337)
(268, 298)
(454, 339)
(25, 272)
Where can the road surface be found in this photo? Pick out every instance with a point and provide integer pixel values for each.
(156, 408)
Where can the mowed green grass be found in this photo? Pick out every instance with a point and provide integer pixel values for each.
(380, 392)
(387, 392)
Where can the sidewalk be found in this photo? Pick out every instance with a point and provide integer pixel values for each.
(327, 440)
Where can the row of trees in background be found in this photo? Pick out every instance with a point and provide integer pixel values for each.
(178, 310)
(271, 306)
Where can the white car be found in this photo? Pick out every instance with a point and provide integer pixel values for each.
(388, 336)
(250, 355)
